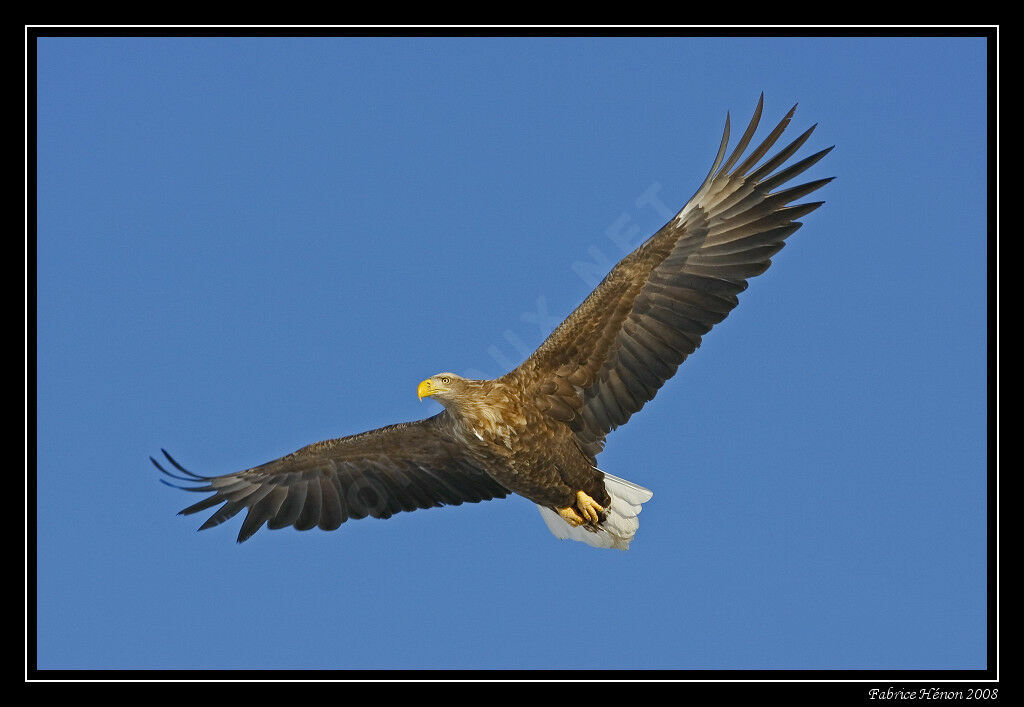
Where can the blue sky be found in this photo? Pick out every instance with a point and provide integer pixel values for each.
(248, 245)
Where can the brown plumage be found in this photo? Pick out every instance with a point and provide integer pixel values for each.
(537, 430)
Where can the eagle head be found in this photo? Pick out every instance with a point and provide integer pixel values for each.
(444, 387)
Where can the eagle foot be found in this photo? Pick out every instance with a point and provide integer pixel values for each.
(570, 516)
(588, 511)
(589, 507)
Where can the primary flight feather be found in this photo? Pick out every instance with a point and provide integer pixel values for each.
(537, 430)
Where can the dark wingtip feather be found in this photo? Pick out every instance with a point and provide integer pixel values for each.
(786, 119)
(197, 489)
(246, 533)
(791, 171)
(174, 486)
(180, 478)
(803, 209)
(253, 521)
(744, 140)
(192, 478)
(178, 466)
(202, 505)
(755, 156)
(225, 513)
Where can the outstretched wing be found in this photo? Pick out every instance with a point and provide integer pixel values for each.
(613, 353)
(377, 473)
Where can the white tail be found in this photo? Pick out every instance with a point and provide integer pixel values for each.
(618, 528)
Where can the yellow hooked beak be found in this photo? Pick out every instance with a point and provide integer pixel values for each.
(426, 389)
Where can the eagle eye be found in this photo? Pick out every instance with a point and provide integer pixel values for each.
(446, 379)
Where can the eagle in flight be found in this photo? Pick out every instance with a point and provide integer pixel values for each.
(537, 430)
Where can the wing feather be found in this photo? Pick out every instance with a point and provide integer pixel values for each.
(378, 473)
(613, 353)
(331, 516)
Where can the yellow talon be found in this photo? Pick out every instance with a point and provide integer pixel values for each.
(588, 515)
(570, 516)
(589, 507)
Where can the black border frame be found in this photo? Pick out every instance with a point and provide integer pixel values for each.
(818, 686)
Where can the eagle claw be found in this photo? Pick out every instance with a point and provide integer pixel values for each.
(589, 509)
(570, 516)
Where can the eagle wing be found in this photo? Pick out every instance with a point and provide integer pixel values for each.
(613, 353)
(377, 473)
